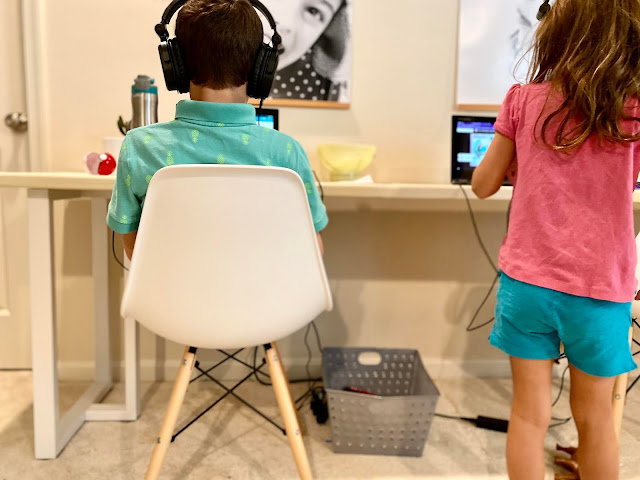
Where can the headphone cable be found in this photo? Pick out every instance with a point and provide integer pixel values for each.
(113, 250)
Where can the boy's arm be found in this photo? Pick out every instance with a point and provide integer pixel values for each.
(125, 207)
(488, 176)
(303, 169)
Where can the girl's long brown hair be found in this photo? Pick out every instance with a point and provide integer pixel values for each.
(590, 51)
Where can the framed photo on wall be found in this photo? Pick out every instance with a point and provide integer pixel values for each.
(494, 37)
(315, 59)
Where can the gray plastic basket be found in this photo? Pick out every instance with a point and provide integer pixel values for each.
(394, 421)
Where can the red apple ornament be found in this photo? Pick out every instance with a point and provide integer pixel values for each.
(107, 164)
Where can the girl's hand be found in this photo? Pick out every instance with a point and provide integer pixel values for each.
(488, 176)
(638, 295)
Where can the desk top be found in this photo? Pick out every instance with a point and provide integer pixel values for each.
(402, 191)
(337, 195)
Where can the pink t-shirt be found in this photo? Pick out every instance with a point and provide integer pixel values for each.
(571, 222)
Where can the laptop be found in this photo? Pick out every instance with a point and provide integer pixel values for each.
(471, 138)
(267, 117)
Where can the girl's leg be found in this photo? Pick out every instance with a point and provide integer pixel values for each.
(592, 408)
(530, 417)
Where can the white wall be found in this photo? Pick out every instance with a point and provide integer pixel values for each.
(400, 279)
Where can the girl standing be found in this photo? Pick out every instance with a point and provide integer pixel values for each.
(568, 139)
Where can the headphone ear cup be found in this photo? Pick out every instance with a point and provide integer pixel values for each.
(167, 66)
(181, 74)
(544, 9)
(263, 73)
(256, 72)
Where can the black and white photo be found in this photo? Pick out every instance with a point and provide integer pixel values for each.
(315, 56)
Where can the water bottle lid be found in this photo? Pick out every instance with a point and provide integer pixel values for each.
(144, 84)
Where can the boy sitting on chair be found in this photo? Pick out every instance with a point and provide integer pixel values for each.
(221, 61)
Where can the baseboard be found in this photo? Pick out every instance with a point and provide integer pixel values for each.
(151, 371)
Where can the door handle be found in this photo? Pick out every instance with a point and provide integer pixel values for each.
(17, 121)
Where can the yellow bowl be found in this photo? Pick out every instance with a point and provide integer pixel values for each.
(346, 162)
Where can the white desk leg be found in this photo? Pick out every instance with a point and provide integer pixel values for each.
(131, 335)
(130, 410)
(43, 324)
(100, 259)
(132, 368)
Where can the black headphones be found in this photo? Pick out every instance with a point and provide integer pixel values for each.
(544, 9)
(175, 71)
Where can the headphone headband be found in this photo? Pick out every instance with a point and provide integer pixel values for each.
(175, 5)
(175, 70)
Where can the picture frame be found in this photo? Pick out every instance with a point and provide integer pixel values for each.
(494, 40)
(315, 59)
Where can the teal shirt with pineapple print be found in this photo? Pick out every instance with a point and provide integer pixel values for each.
(203, 133)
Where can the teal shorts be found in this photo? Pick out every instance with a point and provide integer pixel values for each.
(531, 322)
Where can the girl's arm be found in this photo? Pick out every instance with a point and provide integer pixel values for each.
(489, 175)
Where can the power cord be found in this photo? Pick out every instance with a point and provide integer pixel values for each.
(317, 394)
(315, 175)
(501, 425)
(471, 327)
(113, 249)
(475, 228)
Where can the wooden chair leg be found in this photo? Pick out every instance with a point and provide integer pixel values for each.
(288, 411)
(171, 415)
(286, 379)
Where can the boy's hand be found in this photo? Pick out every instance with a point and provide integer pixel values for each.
(129, 240)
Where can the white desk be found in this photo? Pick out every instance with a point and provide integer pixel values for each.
(51, 431)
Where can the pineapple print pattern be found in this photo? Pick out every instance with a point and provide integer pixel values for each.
(148, 179)
(245, 139)
(170, 160)
(147, 139)
(268, 162)
(220, 159)
(195, 134)
(127, 181)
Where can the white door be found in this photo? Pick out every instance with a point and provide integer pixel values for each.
(15, 349)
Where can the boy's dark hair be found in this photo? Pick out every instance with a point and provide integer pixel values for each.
(219, 40)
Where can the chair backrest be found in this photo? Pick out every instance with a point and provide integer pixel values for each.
(226, 257)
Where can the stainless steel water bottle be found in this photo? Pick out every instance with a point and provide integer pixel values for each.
(144, 102)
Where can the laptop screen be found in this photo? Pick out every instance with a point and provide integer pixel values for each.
(267, 117)
(471, 139)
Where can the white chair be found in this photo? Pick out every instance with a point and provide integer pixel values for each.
(226, 257)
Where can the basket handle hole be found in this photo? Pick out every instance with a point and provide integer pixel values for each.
(370, 358)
